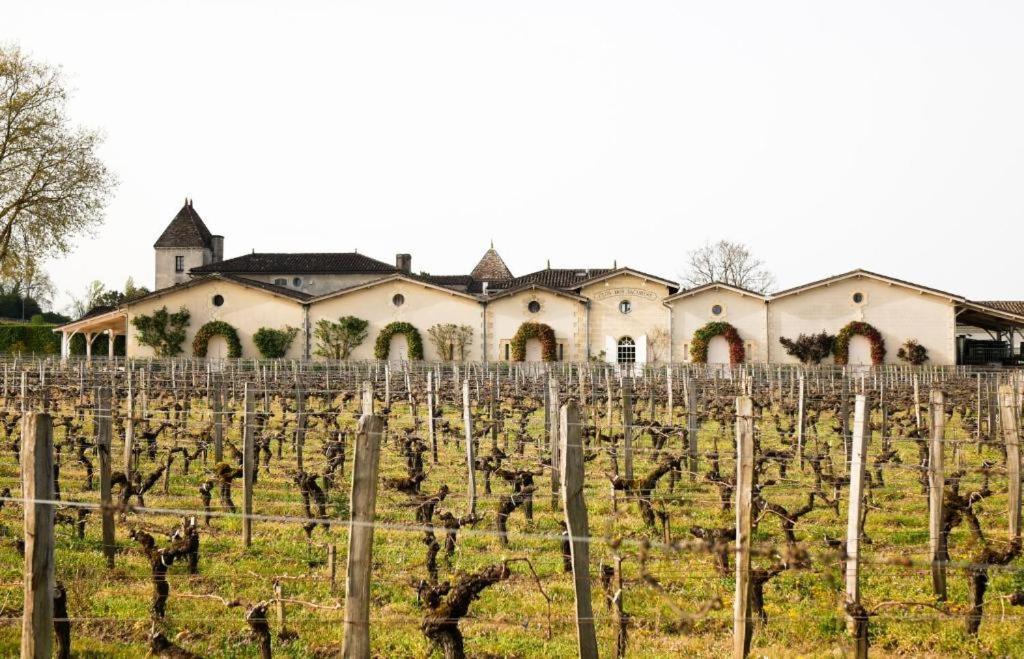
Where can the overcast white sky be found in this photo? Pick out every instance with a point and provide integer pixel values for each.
(884, 135)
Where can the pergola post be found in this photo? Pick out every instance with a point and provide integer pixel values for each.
(65, 345)
(110, 343)
(88, 346)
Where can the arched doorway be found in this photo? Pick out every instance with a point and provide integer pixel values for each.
(534, 351)
(399, 348)
(718, 351)
(217, 347)
(860, 351)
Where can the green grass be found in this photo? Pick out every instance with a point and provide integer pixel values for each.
(804, 608)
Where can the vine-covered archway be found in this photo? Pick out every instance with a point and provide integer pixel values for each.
(841, 348)
(382, 348)
(217, 328)
(702, 337)
(540, 331)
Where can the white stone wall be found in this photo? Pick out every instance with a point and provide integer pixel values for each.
(608, 324)
(424, 306)
(245, 308)
(748, 314)
(897, 312)
(563, 314)
(164, 261)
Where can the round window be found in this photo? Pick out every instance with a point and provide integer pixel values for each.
(297, 282)
(398, 300)
(625, 306)
(533, 306)
(716, 310)
(218, 300)
(858, 297)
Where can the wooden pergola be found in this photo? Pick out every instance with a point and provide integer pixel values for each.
(113, 323)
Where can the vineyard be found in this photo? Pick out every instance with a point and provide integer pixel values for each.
(312, 509)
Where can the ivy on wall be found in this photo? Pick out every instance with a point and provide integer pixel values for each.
(702, 338)
(841, 348)
(162, 331)
(382, 348)
(532, 330)
(217, 328)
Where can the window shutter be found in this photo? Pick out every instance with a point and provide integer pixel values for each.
(641, 349)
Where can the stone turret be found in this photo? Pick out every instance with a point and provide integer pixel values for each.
(186, 243)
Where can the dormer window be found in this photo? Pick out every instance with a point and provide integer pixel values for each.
(179, 263)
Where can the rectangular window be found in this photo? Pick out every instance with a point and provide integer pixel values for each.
(508, 351)
(179, 264)
(561, 351)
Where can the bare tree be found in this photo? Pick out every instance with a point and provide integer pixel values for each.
(658, 341)
(729, 263)
(53, 185)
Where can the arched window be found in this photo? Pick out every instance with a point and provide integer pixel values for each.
(627, 350)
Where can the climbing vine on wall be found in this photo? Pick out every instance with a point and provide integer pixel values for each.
(382, 348)
(702, 338)
(540, 331)
(217, 328)
(841, 348)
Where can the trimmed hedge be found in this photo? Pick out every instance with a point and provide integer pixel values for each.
(382, 348)
(530, 330)
(217, 328)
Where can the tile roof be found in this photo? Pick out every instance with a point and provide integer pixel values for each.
(298, 296)
(185, 230)
(565, 278)
(318, 263)
(1009, 306)
(465, 283)
(491, 268)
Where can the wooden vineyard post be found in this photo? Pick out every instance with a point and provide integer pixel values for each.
(363, 496)
(300, 425)
(1011, 435)
(332, 564)
(38, 492)
(492, 411)
(467, 421)
(742, 625)
(856, 620)
(104, 424)
(555, 416)
(218, 422)
(917, 402)
(571, 453)
(367, 397)
(936, 482)
(670, 403)
(129, 429)
(800, 424)
(627, 426)
(431, 428)
(248, 432)
(692, 425)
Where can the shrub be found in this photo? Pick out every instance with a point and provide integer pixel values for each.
(337, 340)
(274, 343)
(162, 331)
(809, 348)
(913, 352)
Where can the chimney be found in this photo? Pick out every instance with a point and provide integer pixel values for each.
(404, 262)
(217, 247)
